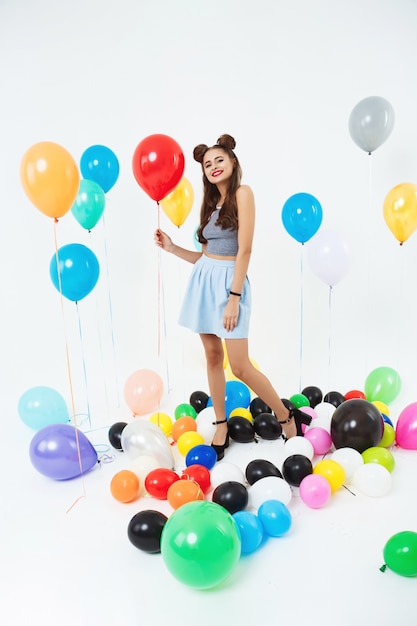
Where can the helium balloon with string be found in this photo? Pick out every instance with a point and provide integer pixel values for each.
(143, 391)
(158, 165)
(100, 164)
(329, 256)
(178, 204)
(371, 123)
(50, 178)
(302, 216)
(89, 204)
(76, 271)
(400, 211)
(42, 406)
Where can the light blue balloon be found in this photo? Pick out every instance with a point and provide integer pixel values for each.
(78, 271)
(250, 530)
(100, 164)
(275, 518)
(237, 396)
(42, 406)
(302, 216)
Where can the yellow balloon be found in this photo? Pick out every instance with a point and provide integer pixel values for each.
(226, 356)
(50, 178)
(188, 440)
(242, 412)
(400, 211)
(178, 204)
(163, 421)
(382, 407)
(332, 471)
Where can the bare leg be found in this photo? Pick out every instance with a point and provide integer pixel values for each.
(242, 368)
(217, 382)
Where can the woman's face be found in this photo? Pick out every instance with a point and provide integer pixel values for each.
(217, 165)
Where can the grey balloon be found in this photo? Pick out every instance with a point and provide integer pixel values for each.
(371, 123)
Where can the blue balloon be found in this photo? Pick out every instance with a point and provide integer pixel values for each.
(237, 396)
(41, 406)
(100, 164)
(78, 271)
(250, 530)
(302, 216)
(60, 451)
(201, 455)
(387, 420)
(275, 518)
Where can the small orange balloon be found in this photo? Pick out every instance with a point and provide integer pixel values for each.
(124, 486)
(183, 491)
(183, 425)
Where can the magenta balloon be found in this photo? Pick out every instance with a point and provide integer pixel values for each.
(406, 428)
(60, 451)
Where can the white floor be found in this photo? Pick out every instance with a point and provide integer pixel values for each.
(78, 566)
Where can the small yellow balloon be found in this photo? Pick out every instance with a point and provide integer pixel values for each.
(242, 412)
(163, 421)
(332, 471)
(382, 407)
(178, 204)
(186, 441)
(400, 211)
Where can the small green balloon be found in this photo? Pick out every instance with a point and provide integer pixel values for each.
(89, 204)
(200, 544)
(383, 384)
(380, 455)
(400, 553)
(185, 410)
(299, 399)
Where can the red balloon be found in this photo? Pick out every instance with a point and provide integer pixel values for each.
(158, 481)
(355, 393)
(199, 474)
(158, 165)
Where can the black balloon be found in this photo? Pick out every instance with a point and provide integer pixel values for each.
(115, 434)
(356, 424)
(258, 406)
(231, 495)
(260, 468)
(145, 530)
(295, 468)
(199, 400)
(334, 397)
(314, 395)
(267, 426)
(240, 429)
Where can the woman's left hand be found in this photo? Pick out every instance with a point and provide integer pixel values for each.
(231, 314)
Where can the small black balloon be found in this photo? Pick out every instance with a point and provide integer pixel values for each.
(231, 495)
(334, 397)
(145, 530)
(257, 406)
(199, 400)
(115, 434)
(295, 468)
(260, 468)
(267, 426)
(240, 429)
(314, 395)
(356, 424)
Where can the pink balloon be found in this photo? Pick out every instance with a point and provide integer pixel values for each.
(320, 439)
(406, 428)
(315, 491)
(143, 391)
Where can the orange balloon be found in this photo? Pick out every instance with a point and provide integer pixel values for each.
(124, 486)
(400, 210)
(50, 178)
(185, 424)
(183, 491)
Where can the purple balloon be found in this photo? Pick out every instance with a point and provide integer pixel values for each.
(61, 451)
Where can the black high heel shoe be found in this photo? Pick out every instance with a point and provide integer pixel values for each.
(219, 450)
(300, 418)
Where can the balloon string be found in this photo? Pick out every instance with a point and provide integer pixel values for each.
(301, 314)
(84, 363)
(71, 386)
(159, 283)
(330, 334)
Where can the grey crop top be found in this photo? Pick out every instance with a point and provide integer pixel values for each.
(219, 242)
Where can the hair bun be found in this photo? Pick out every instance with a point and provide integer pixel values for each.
(199, 152)
(227, 141)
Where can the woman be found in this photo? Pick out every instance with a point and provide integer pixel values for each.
(217, 301)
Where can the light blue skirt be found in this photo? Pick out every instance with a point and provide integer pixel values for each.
(206, 296)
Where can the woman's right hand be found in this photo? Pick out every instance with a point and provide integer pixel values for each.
(162, 240)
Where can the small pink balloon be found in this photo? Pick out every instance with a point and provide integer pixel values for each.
(406, 428)
(315, 491)
(143, 391)
(320, 439)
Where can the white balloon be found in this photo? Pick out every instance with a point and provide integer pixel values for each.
(269, 488)
(350, 459)
(321, 422)
(329, 257)
(325, 409)
(205, 426)
(223, 472)
(372, 479)
(298, 445)
(142, 437)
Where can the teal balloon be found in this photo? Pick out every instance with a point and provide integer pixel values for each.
(41, 406)
(383, 384)
(200, 544)
(78, 271)
(302, 216)
(250, 529)
(89, 204)
(400, 553)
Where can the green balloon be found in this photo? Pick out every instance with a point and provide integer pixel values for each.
(383, 384)
(185, 410)
(200, 544)
(379, 455)
(299, 399)
(89, 204)
(400, 553)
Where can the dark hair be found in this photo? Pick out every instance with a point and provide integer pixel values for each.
(228, 213)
